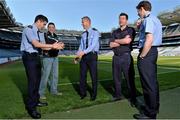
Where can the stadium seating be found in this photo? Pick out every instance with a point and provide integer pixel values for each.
(10, 39)
(172, 30)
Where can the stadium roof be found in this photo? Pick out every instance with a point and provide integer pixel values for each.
(6, 17)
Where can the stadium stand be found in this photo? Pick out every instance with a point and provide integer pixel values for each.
(11, 40)
(8, 39)
(171, 30)
(170, 17)
(7, 19)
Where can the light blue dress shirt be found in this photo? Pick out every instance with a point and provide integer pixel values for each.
(93, 41)
(29, 34)
(151, 24)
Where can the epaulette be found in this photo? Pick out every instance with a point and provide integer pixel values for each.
(30, 26)
(94, 29)
(83, 32)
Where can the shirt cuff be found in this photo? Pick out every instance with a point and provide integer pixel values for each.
(85, 52)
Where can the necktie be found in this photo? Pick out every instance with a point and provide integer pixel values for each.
(87, 39)
(39, 49)
(38, 35)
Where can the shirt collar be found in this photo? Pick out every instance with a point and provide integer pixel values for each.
(35, 27)
(124, 28)
(147, 14)
(51, 34)
(89, 29)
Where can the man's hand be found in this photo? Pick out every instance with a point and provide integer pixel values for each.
(127, 36)
(138, 23)
(57, 46)
(147, 45)
(62, 45)
(114, 44)
(80, 54)
(76, 60)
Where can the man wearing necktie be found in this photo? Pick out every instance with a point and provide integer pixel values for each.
(150, 37)
(88, 53)
(31, 47)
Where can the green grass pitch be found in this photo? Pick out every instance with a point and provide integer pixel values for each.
(13, 85)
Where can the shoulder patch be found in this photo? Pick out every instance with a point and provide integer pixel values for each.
(83, 32)
(94, 29)
(30, 26)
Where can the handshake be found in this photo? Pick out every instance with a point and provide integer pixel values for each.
(58, 45)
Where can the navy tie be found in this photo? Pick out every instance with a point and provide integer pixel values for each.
(39, 49)
(87, 39)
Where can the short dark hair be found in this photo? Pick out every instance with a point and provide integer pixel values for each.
(123, 14)
(145, 4)
(41, 17)
(86, 17)
(51, 23)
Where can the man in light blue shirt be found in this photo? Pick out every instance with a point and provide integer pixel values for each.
(88, 53)
(31, 46)
(150, 24)
(93, 42)
(150, 38)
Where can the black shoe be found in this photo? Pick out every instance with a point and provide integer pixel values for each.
(141, 116)
(42, 104)
(34, 114)
(117, 98)
(83, 96)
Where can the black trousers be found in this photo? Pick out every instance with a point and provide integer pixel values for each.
(88, 62)
(148, 75)
(32, 66)
(123, 63)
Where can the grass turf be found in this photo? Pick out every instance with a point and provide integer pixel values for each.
(13, 87)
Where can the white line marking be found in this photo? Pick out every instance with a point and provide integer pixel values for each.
(173, 68)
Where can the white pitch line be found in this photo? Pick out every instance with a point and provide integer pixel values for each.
(172, 68)
(169, 58)
(64, 84)
(171, 63)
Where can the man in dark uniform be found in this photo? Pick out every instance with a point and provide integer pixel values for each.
(150, 37)
(121, 44)
(31, 49)
(88, 52)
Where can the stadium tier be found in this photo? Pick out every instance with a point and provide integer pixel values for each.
(170, 17)
(7, 19)
(11, 40)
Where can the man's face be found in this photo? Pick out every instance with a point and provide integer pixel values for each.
(41, 24)
(85, 23)
(51, 28)
(141, 12)
(122, 21)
